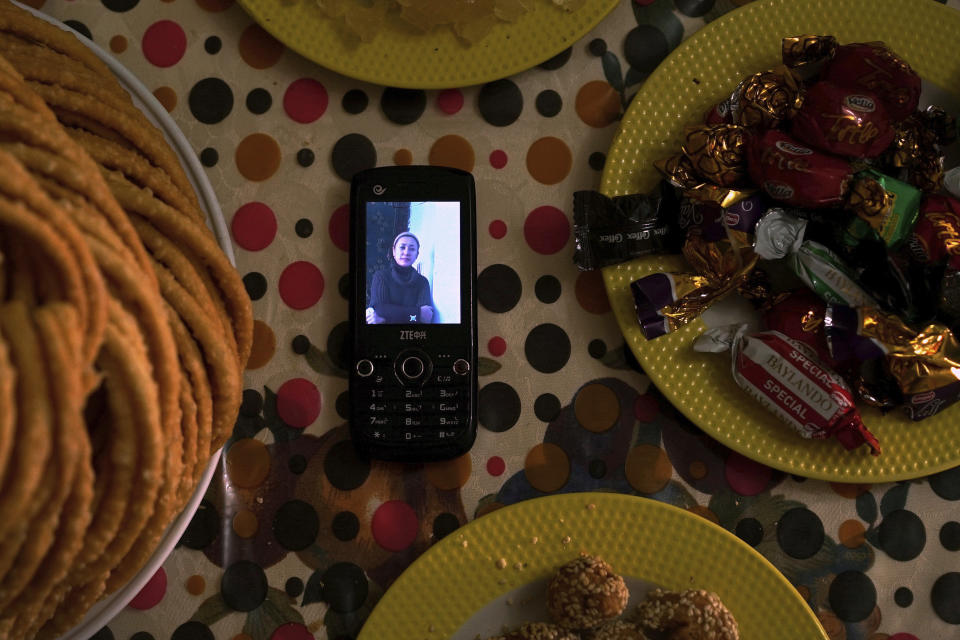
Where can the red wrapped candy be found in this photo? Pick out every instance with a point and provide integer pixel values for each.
(873, 67)
(796, 174)
(799, 315)
(936, 235)
(843, 121)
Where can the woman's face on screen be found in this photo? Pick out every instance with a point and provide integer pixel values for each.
(405, 251)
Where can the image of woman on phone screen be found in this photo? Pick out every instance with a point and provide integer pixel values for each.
(398, 294)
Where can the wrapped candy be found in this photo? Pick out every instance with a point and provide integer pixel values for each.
(873, 67)
(805, 55)
(936, 235)
(788, 379)
(883, 205)
(799, 315)
(842, 121)
(762, 100)
(717, 152)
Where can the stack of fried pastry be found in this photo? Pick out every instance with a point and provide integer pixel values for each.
(124, 331)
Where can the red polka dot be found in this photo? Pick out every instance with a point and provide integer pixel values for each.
(152, 592)
(254, 226)
(164, 43)
(498, 229)
(301, 285)
(546, 229)
(497, 346)
(305, 100)
(498, 159)
(903, 636)
(394, 525)
(339, 227)
(291, 631)
(298, 402)
(746, 477)
(646, 408)
(450, 101)
(496, 466)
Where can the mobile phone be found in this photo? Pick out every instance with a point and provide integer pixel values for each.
(413, 313)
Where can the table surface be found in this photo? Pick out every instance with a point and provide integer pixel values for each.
(296, 536)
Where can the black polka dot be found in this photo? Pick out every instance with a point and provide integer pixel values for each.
(209, 157)
(547, 348)
(300, 344)
(902, 535)
(338, 345)
(903, 597)
(211, 100)
(259, 101)
(203, 528)
(946, 484)
(120, 5)
(498, 406)
(694, 8)
(950, 535)
(343, 405)
(800, 533)
(345, 526)
(597, 160)
(212, 45)
(192, 630)
(444, 524)
(645, 47)
(297, 464)
(546, 407)
(597, 348)
(344, 587)
(403, 106)
(597, 469)
(354, 101)
(142, 635)
(343, 468)
(304, 228)
(597, 47)
(343, 286)
(750, 531)
(549, 103)
(252, 403)
(547, 289)
(500, 102)
(852, 596)
(243, 586)
(293, 587)
(797, 478)
(256, 285)
(557, 61)
(80, 28)
(305, 157)
(945, 597)
(499, 288)
(103, 634)
(352, 153)
(296, 525)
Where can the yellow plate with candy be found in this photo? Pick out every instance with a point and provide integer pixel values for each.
(400, 56)
(458, 591)
(700, 72)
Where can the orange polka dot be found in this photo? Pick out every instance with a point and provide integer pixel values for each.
(258, 157)
(705, 513)
(851, 534)
(118, 44)
(449, 474)
(167, 97)
(245, 524)
(590, 292)
(598, 103)
(403, 157)
(648, 468)
(36, 4)
(849, 490)
(258, 48)
(835, 628)
(803, 590)
(452, 151)
(549, 160)
(248, 463)
(547, 467)
(215, 6)
(264, 345)
(596, 407)
(196, 585)
(698, 470)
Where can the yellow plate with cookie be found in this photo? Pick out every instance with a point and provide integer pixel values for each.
(698, 74)
(493, 570)
(400, 56)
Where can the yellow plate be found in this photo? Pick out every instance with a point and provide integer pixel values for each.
(699, 73)
(401, 57)
(639, 537)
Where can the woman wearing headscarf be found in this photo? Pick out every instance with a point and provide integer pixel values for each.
(398, 294)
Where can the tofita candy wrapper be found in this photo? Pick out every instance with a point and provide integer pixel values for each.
(788, 379)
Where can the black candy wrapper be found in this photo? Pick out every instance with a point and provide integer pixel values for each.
(609, 231)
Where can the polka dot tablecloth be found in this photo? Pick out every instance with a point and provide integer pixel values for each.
(297, 537)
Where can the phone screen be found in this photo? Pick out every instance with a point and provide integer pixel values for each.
(413, 263)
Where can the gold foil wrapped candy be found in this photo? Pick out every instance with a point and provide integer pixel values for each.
(768, 98)
(801, 53)
(717, 152)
